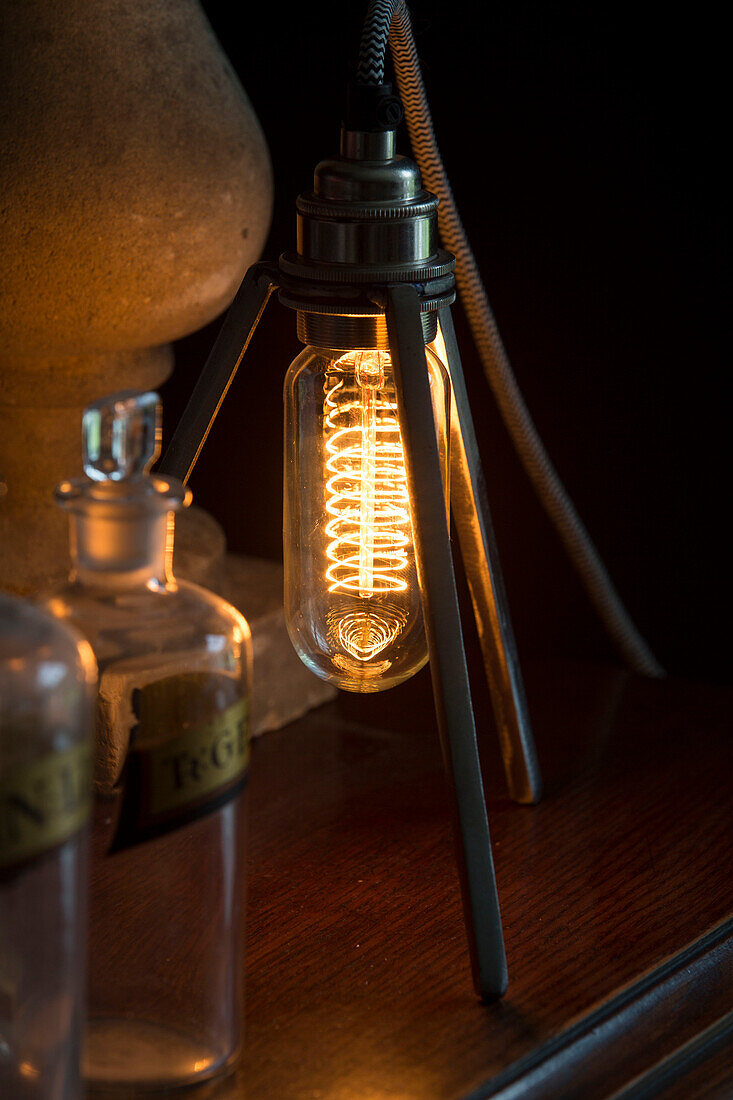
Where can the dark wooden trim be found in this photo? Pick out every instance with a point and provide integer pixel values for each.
(565, 1055)
(680, 1062)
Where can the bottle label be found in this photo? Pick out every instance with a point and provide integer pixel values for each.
(177, 780)
(43, 803)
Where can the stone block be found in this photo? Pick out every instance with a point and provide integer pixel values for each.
(284, 688)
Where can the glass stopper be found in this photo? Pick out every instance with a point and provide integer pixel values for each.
(121, 435)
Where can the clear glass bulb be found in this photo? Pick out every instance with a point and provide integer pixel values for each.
(352, 599)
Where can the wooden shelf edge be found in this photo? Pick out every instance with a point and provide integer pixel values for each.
(675, 1068)
(633, 1032)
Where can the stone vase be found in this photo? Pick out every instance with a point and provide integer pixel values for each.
(136, 190)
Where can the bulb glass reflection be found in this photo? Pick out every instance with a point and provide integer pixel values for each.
(352, 598)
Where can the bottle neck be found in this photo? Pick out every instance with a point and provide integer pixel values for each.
(121, 549)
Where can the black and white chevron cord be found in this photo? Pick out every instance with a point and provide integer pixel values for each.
(389, 20)
(374, 37)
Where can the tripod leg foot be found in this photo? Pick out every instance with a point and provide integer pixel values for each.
(445, 644)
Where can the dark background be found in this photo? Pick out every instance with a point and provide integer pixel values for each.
(585, 148)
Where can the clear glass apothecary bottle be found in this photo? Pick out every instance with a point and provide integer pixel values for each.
(167, 866)
(47, 689)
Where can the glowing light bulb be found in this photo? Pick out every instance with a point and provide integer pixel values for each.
(351, 588)
(368, 503)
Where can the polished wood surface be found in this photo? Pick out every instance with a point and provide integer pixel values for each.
(616, 893)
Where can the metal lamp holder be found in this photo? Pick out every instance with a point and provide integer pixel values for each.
(368, 273)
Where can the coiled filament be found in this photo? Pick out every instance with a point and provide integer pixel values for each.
(368, 528)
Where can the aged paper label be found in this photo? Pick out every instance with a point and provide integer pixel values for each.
(43, 803)
(176, 779)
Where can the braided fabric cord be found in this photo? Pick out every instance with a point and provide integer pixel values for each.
(493, 355)
(374, 37)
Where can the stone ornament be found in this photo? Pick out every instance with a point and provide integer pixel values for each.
(137, 190)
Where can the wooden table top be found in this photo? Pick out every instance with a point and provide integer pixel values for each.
(616, 894)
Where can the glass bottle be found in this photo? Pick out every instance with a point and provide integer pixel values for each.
(167, 864)
(352, 599)
(47, 689)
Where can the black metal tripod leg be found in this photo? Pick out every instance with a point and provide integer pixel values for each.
(481, 561)
(219, 371)
(445, 643)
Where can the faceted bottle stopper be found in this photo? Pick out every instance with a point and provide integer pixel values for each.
(121, 436)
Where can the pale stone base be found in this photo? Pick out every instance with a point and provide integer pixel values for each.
(283, 687)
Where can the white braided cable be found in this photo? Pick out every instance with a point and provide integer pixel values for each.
(493, 355)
